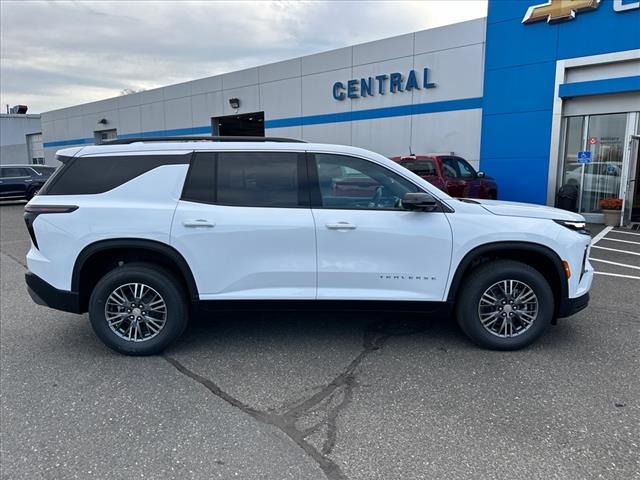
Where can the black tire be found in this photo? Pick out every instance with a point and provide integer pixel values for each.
(164, 283)
(484, 277)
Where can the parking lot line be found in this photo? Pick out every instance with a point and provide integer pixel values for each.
(618, 240)
(600, 235)
(614, 263)
(626, 233)
(617, 275)
(615, 250)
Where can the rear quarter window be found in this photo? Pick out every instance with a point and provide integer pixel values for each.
(92, 175)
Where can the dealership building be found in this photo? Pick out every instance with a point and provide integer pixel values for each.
(537, 95)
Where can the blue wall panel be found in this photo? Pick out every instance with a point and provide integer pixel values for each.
(519, 77)
(516, 135)
(520, 89)
(518, 178)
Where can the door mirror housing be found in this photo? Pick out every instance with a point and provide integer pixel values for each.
(419, 201)
(480, 175)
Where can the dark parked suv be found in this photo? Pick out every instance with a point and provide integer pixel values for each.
(23, 181)
(451, 174)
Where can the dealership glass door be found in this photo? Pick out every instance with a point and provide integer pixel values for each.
(598, 173)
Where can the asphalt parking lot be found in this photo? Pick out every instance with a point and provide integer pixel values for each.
(314, 395)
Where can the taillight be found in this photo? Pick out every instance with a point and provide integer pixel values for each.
(31, 212)
(38, 209)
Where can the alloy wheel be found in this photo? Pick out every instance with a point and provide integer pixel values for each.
(508, 308)
(135, 312)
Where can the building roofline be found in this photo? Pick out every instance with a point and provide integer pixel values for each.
(19, 115)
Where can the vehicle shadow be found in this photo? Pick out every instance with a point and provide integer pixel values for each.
(242, 328)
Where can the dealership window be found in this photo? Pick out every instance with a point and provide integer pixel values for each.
(354, 183)
(600, 177)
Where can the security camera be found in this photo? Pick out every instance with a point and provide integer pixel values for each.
(234, 103)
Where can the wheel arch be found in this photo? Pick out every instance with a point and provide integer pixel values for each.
(540, 257)
(104, 255)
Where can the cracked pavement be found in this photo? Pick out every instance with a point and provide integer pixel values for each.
(316, 395)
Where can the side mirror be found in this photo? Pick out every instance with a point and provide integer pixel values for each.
(419, 201)
(480, 175)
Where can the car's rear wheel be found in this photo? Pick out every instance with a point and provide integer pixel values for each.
(505, 305)
(138, 309)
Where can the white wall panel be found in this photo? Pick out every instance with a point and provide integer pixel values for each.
(339, 133)
(281, 99)
(178, 90)
(75, 127)
(387, 136)
(152, 116)
(287, 132)
(450, 36)
(327, 61)
(129, 120)
(249, 99)
(241, 78)
(601, 71)
(177, 113)
(131, 100)
(386, 49)
(206, 85)
(151, 96)
(457, 74)
(206, 106)
(457, 132)
(316, 93)
(280, 70)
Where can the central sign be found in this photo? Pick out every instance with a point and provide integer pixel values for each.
(382, 84)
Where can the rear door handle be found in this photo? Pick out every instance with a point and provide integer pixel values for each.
(341, 226)
(198, 223)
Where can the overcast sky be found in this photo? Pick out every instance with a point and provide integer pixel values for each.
(58, 54)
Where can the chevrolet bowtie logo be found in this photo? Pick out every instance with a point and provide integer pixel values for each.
(558, 10)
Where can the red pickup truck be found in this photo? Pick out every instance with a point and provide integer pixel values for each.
(451, 174)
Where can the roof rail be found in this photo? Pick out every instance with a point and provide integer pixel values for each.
(209, 138)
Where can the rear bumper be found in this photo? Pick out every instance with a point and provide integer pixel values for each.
(571, 306)
(45, 294)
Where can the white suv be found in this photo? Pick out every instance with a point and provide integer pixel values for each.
(138, 232)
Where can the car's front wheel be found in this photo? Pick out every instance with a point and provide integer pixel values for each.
(138, 309)
(505, 305)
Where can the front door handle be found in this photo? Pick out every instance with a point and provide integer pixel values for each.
(341, 226)
(198, 223)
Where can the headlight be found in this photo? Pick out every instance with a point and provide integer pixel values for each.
(578, 227)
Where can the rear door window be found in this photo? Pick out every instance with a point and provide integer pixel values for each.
(248, 179)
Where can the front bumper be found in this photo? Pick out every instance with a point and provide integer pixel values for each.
(570, 306)
(45, 294)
